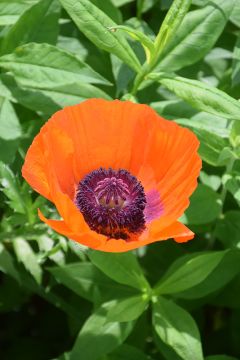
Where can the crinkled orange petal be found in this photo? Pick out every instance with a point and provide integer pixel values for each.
(34, 168)
(99, 133)
(177, 230)
(173, 159)
(89, 238)
(103, 133)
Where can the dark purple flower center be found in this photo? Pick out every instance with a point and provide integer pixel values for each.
(112, 202)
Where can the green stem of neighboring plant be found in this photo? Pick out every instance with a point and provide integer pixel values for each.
(146, 70)
(223, 195)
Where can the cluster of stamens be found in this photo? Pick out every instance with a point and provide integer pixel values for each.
(112, 203)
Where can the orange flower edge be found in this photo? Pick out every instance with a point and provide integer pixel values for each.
(119, 175)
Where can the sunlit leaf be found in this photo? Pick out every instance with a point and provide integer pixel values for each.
(112, 335)
(11, 188)
(172, 21)
(197, 34)
(201, 96)
(38, 23)
(188, 272)
(94, 24)
(46, 66)
(128, 309)
(176, 328)
(122, 268)
(87, 281)
(26, 255)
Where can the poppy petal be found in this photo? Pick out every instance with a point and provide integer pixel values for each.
(90, 238)
(119, 135)
(177, 230)
(176, 169)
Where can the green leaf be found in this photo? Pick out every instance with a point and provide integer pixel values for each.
(94, 24)
(201, 96)
(221, 275)
(11, 188)
(127, 352)
(11, 10)
(202, 27)
(45, 66)
(177, 329)
(121, 267)
(109, 9)
(38, 24)
(10, 128)
(228, 229)
(203, 198)
(26, 255)
(235, 14)
(49, 100)
(173, 109)
(7, 264)
(99, 337)
(212, 181)
(188, 272)
(8, 150)
(231, 183)
(128, 309)
(204, 121)
(144, 40)
(236, 63)
(211, 144)
(87, 281)
(235, 133)
(172, 21)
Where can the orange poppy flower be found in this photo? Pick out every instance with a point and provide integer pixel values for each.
(119, 175)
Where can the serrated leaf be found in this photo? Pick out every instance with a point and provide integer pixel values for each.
(201, 96)
(49, 100)
(94, 24)
(11, 188)
(46, 66)
(201, 27)
(171, 23)
(26, 256)
(211, 144)
(177, 329)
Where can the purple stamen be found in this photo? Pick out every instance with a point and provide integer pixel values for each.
(112, 202)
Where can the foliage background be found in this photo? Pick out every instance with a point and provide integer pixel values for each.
(166, 301)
